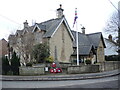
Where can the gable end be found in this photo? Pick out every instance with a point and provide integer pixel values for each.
(67, 26)
(36, 26)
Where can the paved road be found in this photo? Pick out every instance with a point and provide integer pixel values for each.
(108, 82)
(54, 77)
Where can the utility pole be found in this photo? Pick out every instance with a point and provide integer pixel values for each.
(119, 41)
(118, 10)
(119, 29)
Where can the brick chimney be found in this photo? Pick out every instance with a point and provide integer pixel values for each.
(60, 11)
(26, 24)
(83, 30)
(110, 37)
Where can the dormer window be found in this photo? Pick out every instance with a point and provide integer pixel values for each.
(16, 34)
(37, 30)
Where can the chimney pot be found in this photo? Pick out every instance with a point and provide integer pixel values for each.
(83, 30)
(60, 11)
(110, 37)
(26, 24)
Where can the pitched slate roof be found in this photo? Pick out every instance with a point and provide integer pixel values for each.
(95, 38)
(19, 32)
(3, 40)
(49, 26)
(27, 29)
(84, 44)
(30, 28)
(11, 36)
(87, 42)
(84, 50)
(111, 47)
(82, 39)
(52, 25)
(42, 27)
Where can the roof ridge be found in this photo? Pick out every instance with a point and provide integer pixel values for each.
(3, 39)
(18, 30)
(49, 20)
(111, 41)
(86, 44)
(46, 21)
(94, 33)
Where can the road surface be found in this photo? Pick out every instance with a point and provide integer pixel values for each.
(108, 82)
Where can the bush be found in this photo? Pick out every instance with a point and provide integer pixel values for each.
(49, 59)
(15, 63)
(41, 52)
(88, 61)
(112, 58)
(5, 65)
(29, 64)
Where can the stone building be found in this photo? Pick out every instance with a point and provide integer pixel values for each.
(111, 46)
(58, 35)
(3, 47)
(91, 46)
(55, 32)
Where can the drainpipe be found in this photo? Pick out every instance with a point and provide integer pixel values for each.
(96, 54)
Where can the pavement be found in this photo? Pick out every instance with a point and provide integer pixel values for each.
(59, 77)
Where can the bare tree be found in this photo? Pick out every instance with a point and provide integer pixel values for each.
(112, 25)
(25, 47)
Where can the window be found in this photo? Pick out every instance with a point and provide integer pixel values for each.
(100, 51)
(63, 38)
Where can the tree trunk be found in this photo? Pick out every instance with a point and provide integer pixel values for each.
(119, 41)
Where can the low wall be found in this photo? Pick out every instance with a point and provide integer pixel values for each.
(64, 65)
(83, 69)
(71, 69)
(109, 65)
(31, 70)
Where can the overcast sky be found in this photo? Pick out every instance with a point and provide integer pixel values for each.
(93, 14)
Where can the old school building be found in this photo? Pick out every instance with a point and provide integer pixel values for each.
(57, 34)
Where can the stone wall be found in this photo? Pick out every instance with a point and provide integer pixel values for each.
(109, 65)
(71, 69)
(83, 69)
(31, 70)
(103, 66)
(64, 65)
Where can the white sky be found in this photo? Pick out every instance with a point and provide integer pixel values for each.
(92, 14)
